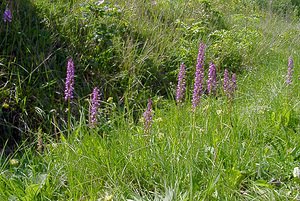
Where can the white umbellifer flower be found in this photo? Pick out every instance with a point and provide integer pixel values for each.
(219, 112)
(99, 2)
(14, 162)
(296, 172)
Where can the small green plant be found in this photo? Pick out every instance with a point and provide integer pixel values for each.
(231, 49)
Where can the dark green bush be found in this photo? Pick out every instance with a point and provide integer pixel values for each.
(234, 48)
(130, 49)
(26, 77)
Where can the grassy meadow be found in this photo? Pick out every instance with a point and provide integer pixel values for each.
(243, 146)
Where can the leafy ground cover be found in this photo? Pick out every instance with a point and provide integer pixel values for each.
(241, 147)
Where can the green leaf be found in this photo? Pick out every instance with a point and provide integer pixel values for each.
(263, 183)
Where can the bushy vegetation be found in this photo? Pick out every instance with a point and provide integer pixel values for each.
(242, 146)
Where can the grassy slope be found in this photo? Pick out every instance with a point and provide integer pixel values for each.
(225, 151)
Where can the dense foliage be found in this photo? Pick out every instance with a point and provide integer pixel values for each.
(131, 50)
(240, 141)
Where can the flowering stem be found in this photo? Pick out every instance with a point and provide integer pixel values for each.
(69, 118)
(69, 88)
(94, 105)
(148, 115)
(191, 154)
(181, 85)
(194, 125)
(212, 79)
(199, 76)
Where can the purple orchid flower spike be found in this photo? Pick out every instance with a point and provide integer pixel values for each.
(229, 85)
(212, 79)
(181, 84)
(7, 15)
(148, 116)
(226, 82)
(95, 103)
(69, 88)
(199, 76)
(233, 83)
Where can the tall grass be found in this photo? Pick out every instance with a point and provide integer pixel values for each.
(240, 148)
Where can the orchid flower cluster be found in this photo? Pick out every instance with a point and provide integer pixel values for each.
(181, 84)
(212, 79)
(148, 115)
(229, 84)
(69, 90)
(69, 87)
(199, 76)
(7, 15)
(95, 103)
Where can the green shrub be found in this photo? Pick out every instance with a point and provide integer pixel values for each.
(234, 48)
(282, 7)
